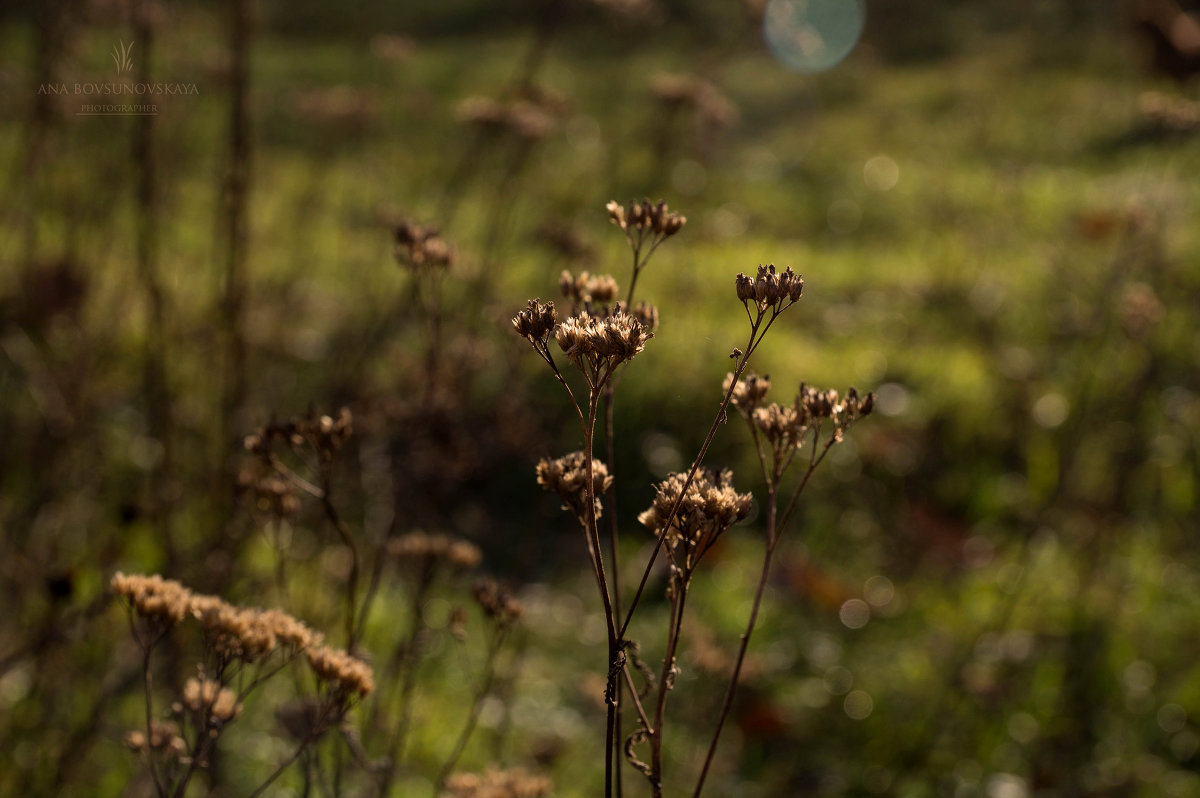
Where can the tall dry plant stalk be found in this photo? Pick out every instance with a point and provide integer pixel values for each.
(692, 509)
(234, 205)
(157, 390)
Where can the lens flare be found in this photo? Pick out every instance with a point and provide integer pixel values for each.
(813, 35)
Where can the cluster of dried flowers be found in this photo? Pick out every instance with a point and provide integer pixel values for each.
(324, 433)
(567, 476)
(586, 289)
(266, 491)
(493, 783)
(497, 601)
(642, 218)
(164, 739)
(235, 633)
(691, 520)
(419, 246)
(599, 344)
(769, 289)
(424, 549)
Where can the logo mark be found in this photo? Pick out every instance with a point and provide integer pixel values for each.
(120, 56)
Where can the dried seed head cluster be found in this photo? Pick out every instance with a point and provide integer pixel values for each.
(419, 246)
(646, 218)
(425, 549)
(346, 676)
(587, 288)
(248, 635)
(709, 104)
(324, 433)
(709, 507)
(749, 391)
(601, 343)
(523, 118)
(497, 601)
(154, 597)
(207, 697)
(784, 427)
(267, 493)
(567, 476)
(516, 783)
(164, 738)
(536, 322)
(770, 289)
(813, 403)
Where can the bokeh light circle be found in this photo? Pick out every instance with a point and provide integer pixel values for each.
(813, 35)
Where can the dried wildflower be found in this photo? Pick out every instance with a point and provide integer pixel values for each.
(536, 322)
(268, 493)
(164, 738)
(497, 601)
(783, 427)
(646, 218)
(749, 392)
(494, 783)
(601, 343)
(233, 632)
(153, 597)
(587, 288)
(208, 697)
(347, 676)
(418, 246)
(567, 476)
(425, 549)
(709, 507)
(770, 290)
(325, 434)
(288, 631)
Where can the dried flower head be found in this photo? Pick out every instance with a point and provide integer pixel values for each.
(421, 246)
(587, 288)
(346, 676)
(536, 322)
(426, 549)
(601, 343)
(567, 476)
(749, 391)
(207, 697)
(495, 783)
(770, 290)
(708, 507)
(641, 218)
(164, 739)
(233, 632)
(325, 434)
(497, 601)
(267, 492)
(164, 600)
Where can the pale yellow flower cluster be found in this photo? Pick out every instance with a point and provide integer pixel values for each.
(246, 634)
(515, 783)
(208, 696)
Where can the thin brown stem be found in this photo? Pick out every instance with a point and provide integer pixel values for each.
(742, 363)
